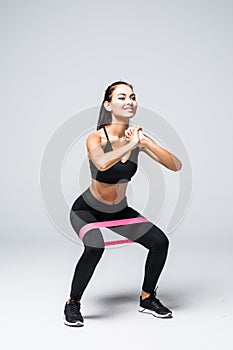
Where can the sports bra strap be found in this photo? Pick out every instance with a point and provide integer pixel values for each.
(106, 133)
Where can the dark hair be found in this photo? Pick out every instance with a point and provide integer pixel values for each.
(105, 117)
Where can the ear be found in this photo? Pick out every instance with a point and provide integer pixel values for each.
(107, 106)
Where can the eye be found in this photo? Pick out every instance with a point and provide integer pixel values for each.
(122, 98)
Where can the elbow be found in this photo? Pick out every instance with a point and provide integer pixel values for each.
(177, 169)
(173, 163)
(102, 166)
(105, 164)
(99, 163)
(177, 166)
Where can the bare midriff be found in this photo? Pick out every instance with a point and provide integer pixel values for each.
(108, 193)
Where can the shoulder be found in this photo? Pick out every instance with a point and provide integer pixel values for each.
(93, 140)
(95, 134)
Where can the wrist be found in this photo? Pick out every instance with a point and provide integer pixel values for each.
(134, 143)
(145, 142)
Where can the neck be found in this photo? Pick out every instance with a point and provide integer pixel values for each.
(117, 129)
(118, 126)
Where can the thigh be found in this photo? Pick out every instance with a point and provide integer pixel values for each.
(154, 237)
(132, 231)
(135, 232)
(93, 237)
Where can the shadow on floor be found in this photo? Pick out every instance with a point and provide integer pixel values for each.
(181, 297)
(114, 304)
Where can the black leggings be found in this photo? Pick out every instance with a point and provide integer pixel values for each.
(87, 209)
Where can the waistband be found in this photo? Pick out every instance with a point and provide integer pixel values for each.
(100, 206)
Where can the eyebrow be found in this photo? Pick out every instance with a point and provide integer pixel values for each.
(125, 94)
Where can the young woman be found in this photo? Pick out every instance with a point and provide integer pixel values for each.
(113, 153)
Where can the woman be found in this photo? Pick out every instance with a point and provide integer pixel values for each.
(113, 153)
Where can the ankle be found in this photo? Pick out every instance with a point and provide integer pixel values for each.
(69, 300)
(145, 295)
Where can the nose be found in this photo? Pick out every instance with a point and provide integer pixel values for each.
(129, 101)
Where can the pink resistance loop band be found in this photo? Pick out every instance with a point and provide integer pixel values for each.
(100, 224)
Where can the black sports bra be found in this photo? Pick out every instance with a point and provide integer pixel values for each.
(119, 172)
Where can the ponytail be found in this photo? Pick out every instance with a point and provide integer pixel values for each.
(105, 117)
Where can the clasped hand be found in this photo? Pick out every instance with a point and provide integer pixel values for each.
(134, 133)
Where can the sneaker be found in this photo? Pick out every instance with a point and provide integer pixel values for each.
(73, 315)
(152, 305)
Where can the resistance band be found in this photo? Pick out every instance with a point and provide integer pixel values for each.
(99, 224)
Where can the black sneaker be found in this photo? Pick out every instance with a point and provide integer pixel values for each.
(152, 305)
(73, 315)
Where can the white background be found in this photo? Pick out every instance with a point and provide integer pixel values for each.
(57, 58)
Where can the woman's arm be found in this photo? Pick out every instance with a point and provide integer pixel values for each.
(158, 153)
(104, 161)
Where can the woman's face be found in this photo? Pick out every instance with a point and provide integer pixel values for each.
(123, 103)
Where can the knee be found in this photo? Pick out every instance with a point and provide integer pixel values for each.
(160, 241)
(165, 242)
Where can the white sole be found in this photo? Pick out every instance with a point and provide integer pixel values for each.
(152, 312)
(73, 324)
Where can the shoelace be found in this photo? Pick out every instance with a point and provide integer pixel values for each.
(74, 308)
(157, 301)
(153, 297)
(159, 304)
